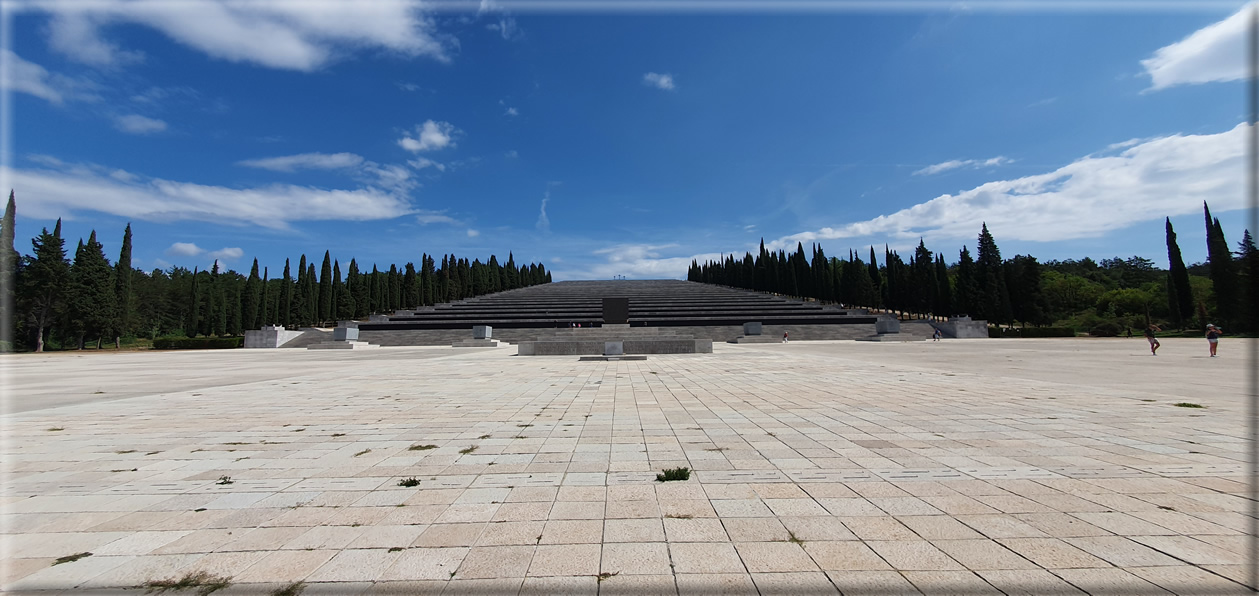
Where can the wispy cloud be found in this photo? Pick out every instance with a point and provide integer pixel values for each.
(1148, 180)
(431, 217)
(639, 261)
(422, 162)
(21, 76)
(139, 125)
(511, 112)
(189, 249)
(961, 163)
(184, 249)
(432, 135)
(59, 189)
(1214, 53)
(305, 161)
(473, 233)
(659, 81)
(292, 35)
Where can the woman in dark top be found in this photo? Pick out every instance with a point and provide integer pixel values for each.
(1213, 337)
(1149, 336)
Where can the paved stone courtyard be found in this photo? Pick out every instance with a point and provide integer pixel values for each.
(1051, 466)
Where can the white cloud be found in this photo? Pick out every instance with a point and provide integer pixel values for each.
(420, 163)
(305, 161)
(640, 261)
(287, 34)
(512, 112)
(544, 222)
(430, 217)
(26, 77)
(473, 233)
(661, 81)
(959, 163)
(1149, 180)
(184, 249)
(1214, 53)
(512, 154)
(433, 135)
(139, 125)
(21, 76)
(62, 190)
(227, 254)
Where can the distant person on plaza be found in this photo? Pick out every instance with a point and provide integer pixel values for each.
(1149, 336)
(1213, 337)
(936, 336)
(784, 337)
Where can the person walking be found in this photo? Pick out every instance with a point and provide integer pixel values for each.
(1149, 336)
(1213, 337)
(784, 337)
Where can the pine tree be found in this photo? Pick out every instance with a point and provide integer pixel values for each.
(122, 289)
(45, 283)
(994, 297)
(944, 292)
(325, 289)
(1180, 293)
(1248, 264)
(966, 292)
(345, 301)
(250, 309)
(92, 305)
(235, 311)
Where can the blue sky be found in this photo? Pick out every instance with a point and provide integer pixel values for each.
(618, 143)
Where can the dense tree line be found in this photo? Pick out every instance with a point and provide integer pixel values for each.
(70, 300)
(1085, 294)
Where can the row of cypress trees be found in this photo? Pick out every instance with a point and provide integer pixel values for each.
(48, 296)
(986, 287)
(1234, 277)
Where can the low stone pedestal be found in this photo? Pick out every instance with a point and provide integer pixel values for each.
(342, 345)
(609, 358)
(475, 343)
(271, 336)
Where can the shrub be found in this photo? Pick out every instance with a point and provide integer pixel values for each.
(197, 343)
(1105, 330)
(674, 474)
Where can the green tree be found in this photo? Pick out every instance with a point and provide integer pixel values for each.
(251, 299)
(325, 289)
(45, 281)
(286, 297)
(1027, 295)
(9, 262)
(92, 305)
(966, 290)
(1224, 279)
(994, 297)
(193, 323)
(1180, 295)
(122, 289)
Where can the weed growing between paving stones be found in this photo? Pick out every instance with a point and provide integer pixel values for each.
(421, 447)
(467, 450)
(396, 549)
(334, 435)
(71, 558)
(225, 480)
(368, 450)
(606, 575)
(791, 537)
(1185, 404)
(202, 581)
(483, 437)
(56, 428)
(125, 451)
(679, 515)
(409, 482)
(292, 589)
(674, 474)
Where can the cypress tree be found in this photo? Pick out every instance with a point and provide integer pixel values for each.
(250, 310)
(966, 293)
(312, 294)
(1224, 282)
(344, 300)
(92, 302)
(325, 289)
(8, 273)
(235, 311)
(410, 287)
(944, 292)
(876, 280)
(1180, 293)
(1248, 264)
(264, 316)
(194, 312)
(994, 297)
(219, 294)
(286, 297)
(45, 282)
(122, 289)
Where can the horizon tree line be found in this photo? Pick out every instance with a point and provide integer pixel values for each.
(48, 296)
(1114, 294)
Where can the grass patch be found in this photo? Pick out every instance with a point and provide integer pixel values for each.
(483, 437)
(397, 549)
(363, 452)
(791, 537)
(716, 449)
(225, 480)
(56, 428)
(421, 447)
(125, 451)
(1185, 404)
(298, 430)
(672, 474)
(679, 516)
(409, 482)
(605, 575)
(292, 589)
(236, 443)
(523, 425)
(71, 558)
(467, 450)
(201, 581)
(334, 435)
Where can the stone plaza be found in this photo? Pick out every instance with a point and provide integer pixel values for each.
(1050, 466)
